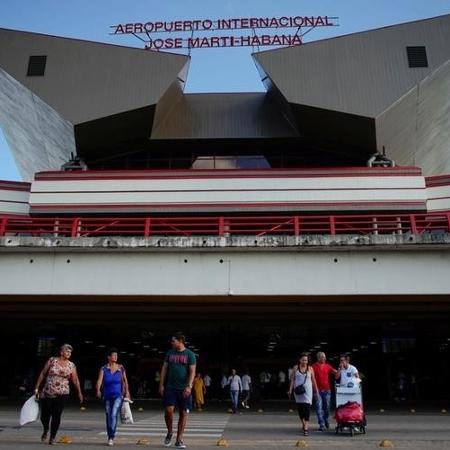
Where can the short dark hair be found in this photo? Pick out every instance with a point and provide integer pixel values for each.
(179, 336)
(112, 350)
(303, 355)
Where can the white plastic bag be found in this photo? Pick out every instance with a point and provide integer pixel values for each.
(125, 413)
(30, 411)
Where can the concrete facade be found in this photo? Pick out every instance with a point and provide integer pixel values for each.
(243, 267)
(37, 134)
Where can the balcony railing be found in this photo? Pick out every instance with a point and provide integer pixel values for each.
(290, 225)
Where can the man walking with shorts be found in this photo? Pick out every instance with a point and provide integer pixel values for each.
(175, 386)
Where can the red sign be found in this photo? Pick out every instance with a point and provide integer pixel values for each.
(223, 25)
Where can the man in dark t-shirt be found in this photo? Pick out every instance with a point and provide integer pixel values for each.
(175, 386)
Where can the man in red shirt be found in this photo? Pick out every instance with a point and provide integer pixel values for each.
(322, 372)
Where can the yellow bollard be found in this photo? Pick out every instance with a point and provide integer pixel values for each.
(222, 442)
(385, 443)
(301, 444)
(65, 440)
(143, 441)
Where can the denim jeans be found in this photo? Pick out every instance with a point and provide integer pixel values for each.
(112, 410)
(234, 400)
(323, 407)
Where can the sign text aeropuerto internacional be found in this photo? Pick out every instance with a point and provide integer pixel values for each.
(222, 25)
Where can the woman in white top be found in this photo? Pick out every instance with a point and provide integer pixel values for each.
(235, 384)
(302, 385)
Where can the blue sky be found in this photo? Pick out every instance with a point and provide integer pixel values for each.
(211, 70)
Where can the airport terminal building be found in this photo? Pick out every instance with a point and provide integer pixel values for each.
(312, 216)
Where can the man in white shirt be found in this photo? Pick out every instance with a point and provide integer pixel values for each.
(346, 372)
(235, 383)
(207, 382)
(246, 388)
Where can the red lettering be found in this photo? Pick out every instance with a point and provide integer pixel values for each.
(119, 29)
(284, 22)
(193, 42)
(129, 28)
(148, 27)
(158, 26)
(215, 41)
(187, 25)
(207, 24)
(320, 22)
(178, 43)
(266, 40)
(309, 21)
(244, 23)
(138, 28)
(178, 25)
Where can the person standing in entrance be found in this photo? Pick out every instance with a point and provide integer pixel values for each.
(235, 384)
(175, 386)
(302, 384)
(322, 372)
(55, 377)
(113, 379)
(246, 388)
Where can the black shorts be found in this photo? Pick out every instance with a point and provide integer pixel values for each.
(304, 410)
(174, 397)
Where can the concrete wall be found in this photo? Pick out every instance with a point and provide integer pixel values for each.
(221, 272)
(416, 129)
(362, 73)
(14, 198)
(40, 139)
(87, 80)
(288, 190)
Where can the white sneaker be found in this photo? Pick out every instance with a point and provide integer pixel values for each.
(110, 442)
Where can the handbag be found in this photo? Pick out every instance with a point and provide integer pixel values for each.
(300, 389)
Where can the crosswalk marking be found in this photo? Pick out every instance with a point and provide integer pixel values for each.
(198, 426)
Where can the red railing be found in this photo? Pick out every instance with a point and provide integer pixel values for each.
(224, 225)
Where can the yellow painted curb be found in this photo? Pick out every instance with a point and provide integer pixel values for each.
(222, 443)
(65, 440)
(386, 444)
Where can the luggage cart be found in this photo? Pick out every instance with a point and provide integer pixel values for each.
(349, 413)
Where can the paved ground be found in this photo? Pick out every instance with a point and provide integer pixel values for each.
(250, 430)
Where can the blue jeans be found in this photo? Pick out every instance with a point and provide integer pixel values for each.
(234, 400)
(112, 410)
(323, 407)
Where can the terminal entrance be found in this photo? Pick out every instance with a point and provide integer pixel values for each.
(401, 348)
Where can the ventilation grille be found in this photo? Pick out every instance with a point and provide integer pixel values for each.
(417, 56)
(36, 66)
